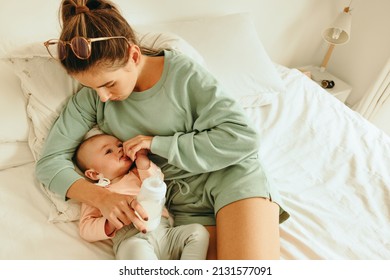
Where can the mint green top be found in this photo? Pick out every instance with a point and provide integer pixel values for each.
(198, 128)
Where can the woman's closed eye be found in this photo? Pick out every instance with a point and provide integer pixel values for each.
(110, 85)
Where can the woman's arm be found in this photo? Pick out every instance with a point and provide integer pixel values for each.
(214, 133)
(55, 168)
(113, 206)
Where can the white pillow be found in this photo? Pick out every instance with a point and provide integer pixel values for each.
(14, 124)
(14, 154)
(47, 88)
(233, 53)
(167, 40)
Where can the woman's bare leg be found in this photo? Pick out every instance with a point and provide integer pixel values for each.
(248, 229)
(212, 251)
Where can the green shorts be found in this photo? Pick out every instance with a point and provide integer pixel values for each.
(197, 199)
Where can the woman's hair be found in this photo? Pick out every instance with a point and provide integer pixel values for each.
(93, 19)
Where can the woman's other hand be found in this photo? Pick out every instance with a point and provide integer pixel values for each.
(132, 146)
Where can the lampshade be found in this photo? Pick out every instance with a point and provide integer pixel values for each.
(339, 32)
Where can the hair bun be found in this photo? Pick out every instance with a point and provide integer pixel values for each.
(99, 4)
(71, 8)
(81, 9)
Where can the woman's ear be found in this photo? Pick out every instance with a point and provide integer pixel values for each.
(93, 175)
(135, 53)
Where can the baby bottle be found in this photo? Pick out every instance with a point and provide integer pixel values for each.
(152, 198)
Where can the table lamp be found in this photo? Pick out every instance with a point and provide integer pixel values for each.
(337, 34)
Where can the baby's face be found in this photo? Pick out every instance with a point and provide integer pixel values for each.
(105, 155)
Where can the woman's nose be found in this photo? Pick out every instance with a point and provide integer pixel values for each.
(104, 95)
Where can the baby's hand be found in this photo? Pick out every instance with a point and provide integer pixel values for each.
(142, 152)
(142, 161)
(109, 228)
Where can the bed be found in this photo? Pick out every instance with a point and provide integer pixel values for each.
(331, 166)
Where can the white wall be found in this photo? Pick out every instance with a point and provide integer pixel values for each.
(296, 40)
(297, 26)
(291, 32)
(289, 29)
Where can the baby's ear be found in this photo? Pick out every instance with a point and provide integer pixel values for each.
(92, 174)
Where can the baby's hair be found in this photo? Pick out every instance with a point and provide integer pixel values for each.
(93, 19)
(76, 157)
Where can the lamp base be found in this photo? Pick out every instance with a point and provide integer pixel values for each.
(327, 57)
(319, 74)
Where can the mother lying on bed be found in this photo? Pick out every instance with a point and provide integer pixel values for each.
(169, 105)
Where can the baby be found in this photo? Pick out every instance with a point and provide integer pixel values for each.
(101, 158)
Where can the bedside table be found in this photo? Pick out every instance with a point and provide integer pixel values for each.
(341, 89)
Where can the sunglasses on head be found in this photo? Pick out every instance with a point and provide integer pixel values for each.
(80, 46)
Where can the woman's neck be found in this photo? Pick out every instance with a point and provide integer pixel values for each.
(151, 71)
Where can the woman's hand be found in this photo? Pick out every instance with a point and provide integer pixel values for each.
(119, 210)
(132, 146)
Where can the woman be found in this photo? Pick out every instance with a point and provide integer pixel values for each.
(169, 105)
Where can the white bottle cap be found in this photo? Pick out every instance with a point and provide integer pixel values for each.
(154, 187)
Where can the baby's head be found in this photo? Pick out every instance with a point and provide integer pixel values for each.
(102, 156)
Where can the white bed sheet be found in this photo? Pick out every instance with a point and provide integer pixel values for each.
(26, 232)
(331, 166)
(333, 170)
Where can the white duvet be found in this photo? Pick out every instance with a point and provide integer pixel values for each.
(330, 165)
(333, 170)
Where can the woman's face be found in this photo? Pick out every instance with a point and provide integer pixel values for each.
(115, 84)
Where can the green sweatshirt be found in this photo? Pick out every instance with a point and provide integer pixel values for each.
(197, 126)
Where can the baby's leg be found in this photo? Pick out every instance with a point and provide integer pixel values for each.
(135, 248)
(190, 242)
